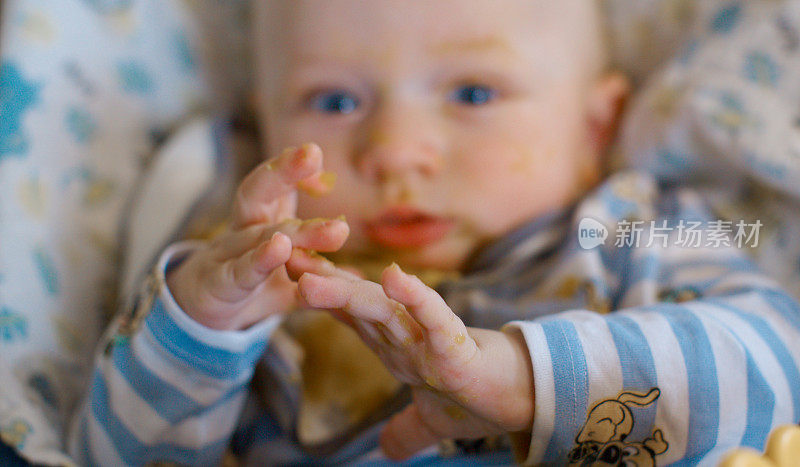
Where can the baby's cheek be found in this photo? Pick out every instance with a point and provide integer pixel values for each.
(516, 186)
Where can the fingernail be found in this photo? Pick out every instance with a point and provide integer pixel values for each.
(302, 153)
(305, 151)
(310, 276)
(315, 222)
(332, 222)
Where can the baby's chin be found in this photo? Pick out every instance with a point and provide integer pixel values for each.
(432, 263)
(449, 255)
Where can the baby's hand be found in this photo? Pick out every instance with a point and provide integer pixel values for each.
(466, 383)
(240, 278)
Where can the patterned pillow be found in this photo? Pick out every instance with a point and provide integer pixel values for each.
(731, 99)
(88, 88)
(724, 115)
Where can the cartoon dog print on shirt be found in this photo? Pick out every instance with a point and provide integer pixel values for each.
(602, 440)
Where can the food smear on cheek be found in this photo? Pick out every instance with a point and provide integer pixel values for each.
(526, 162)
(480, 44)
(377, 137)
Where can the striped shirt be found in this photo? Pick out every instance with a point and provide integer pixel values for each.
(644, 347)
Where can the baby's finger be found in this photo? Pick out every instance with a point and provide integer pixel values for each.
(236, 278)
(303, 261)
(273, 180)
(443, 330)
(367, 331)
(316, 234)
(319, 184)
(361, 299)
(406, 434)
(357, 273)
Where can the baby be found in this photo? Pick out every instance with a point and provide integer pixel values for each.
(467, 139)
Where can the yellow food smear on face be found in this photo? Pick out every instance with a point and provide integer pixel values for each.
(460, 339)
(481, 44)
(455, 412)
(378, 137)
(525, 163)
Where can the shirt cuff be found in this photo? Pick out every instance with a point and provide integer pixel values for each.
(530, 447)
(220, 354)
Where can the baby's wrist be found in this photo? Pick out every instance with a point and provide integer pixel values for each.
(178, 266)
(179, 284)
(523, 391)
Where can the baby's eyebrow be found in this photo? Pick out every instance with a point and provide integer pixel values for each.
(476, 44)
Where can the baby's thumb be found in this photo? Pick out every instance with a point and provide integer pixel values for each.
(406, 434)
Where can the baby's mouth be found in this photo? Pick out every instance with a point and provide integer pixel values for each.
(405, 227)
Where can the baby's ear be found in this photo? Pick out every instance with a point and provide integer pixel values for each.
(606, 102)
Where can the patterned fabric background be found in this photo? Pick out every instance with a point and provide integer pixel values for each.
(89, 89)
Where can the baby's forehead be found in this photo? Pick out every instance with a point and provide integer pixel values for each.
(441, 25)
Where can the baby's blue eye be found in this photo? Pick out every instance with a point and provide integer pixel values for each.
(335, 102)
(474, 94)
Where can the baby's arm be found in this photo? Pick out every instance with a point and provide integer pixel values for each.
(167, 385)
(164, 387)
(466, 382)
(673, 381)
(703, 354)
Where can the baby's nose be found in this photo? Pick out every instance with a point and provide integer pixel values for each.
(388, 160)
(399, 143)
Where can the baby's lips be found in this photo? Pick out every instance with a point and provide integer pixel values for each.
(318, 185)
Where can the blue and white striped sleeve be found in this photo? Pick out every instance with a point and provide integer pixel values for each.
(164, 387)
(674, 381)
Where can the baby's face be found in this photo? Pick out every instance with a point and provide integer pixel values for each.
(447, 122)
